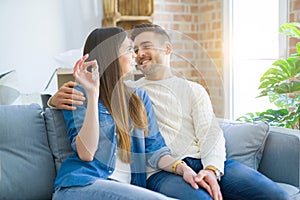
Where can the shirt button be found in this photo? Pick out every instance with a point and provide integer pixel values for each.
(115, 153)
(110, 171)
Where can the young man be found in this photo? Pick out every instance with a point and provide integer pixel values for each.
(187, 122)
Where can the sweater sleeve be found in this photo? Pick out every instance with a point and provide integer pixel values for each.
(207, 129)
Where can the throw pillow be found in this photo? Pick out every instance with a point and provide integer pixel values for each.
(57, 135)
(245, 142)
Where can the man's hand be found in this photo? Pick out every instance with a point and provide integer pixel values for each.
(189, 175)
(66, 96)
(207, 180)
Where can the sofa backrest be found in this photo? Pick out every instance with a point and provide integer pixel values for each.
(281, 159)
(26, 164)
(34, 143)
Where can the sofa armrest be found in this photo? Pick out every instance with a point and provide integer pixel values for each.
(281, 157)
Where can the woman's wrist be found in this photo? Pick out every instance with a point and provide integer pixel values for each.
(92, 91)
(93, 94)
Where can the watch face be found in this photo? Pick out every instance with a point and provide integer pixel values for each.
(218, 174)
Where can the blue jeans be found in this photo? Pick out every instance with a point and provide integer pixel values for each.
(239, 183)
(107, 189)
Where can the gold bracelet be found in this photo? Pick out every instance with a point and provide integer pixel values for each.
(210, 167)
(174, 166)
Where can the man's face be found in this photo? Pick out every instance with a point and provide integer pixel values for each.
(150, 51)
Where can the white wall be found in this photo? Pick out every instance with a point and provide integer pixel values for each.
(35, 32)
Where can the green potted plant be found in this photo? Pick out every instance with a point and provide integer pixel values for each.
(281, 83)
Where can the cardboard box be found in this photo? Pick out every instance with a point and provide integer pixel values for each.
(64, 75)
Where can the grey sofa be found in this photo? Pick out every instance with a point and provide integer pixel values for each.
(33, 144)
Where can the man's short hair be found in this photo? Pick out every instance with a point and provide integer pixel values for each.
(140, 28)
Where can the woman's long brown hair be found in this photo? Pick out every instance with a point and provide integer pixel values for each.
(126, 108)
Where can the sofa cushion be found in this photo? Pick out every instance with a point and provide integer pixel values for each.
(57, 134)
(245, 142)
(26, 163)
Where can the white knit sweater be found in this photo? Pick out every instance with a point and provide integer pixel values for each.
(186, 119)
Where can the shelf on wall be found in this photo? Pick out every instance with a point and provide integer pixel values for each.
(127, 13)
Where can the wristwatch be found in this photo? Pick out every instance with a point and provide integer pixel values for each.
(216, 171)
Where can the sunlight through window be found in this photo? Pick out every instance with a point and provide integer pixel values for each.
(255, 46)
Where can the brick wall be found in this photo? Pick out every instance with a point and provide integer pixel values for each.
(199, 41)
(294, 17)
(197, 33)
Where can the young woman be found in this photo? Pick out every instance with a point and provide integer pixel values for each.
(114, 133)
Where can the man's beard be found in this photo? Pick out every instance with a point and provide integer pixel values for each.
(152, 69)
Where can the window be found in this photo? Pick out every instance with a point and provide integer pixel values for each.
(254, 43)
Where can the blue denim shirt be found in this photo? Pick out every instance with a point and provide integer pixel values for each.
(145, 150)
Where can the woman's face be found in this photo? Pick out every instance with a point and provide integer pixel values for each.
(126, 56)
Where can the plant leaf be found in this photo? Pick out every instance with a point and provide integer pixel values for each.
(298, 47)
(280, 62)
(294, 66)
(263, 93)
(275, 73)
(290, 29)
(283, 64)
(288, 87)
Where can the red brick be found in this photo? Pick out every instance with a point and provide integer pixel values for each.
(185, 27)
(194, 36)
(178, 64)
(189, 1)
(215, 54)
(296, 5)
(195, 9)
(208, 35)
(157, 7)
(186, 55)
(177, 45)
(194, 28)
(174, 8)
(203, 27)
(204, 17)
(196, 19)
(185, 18)
(206, 8)
(216, 25)
(174, 27)
(218, 44)
(163, 17)
(293, 42)
(213, 16)
(171, 1)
